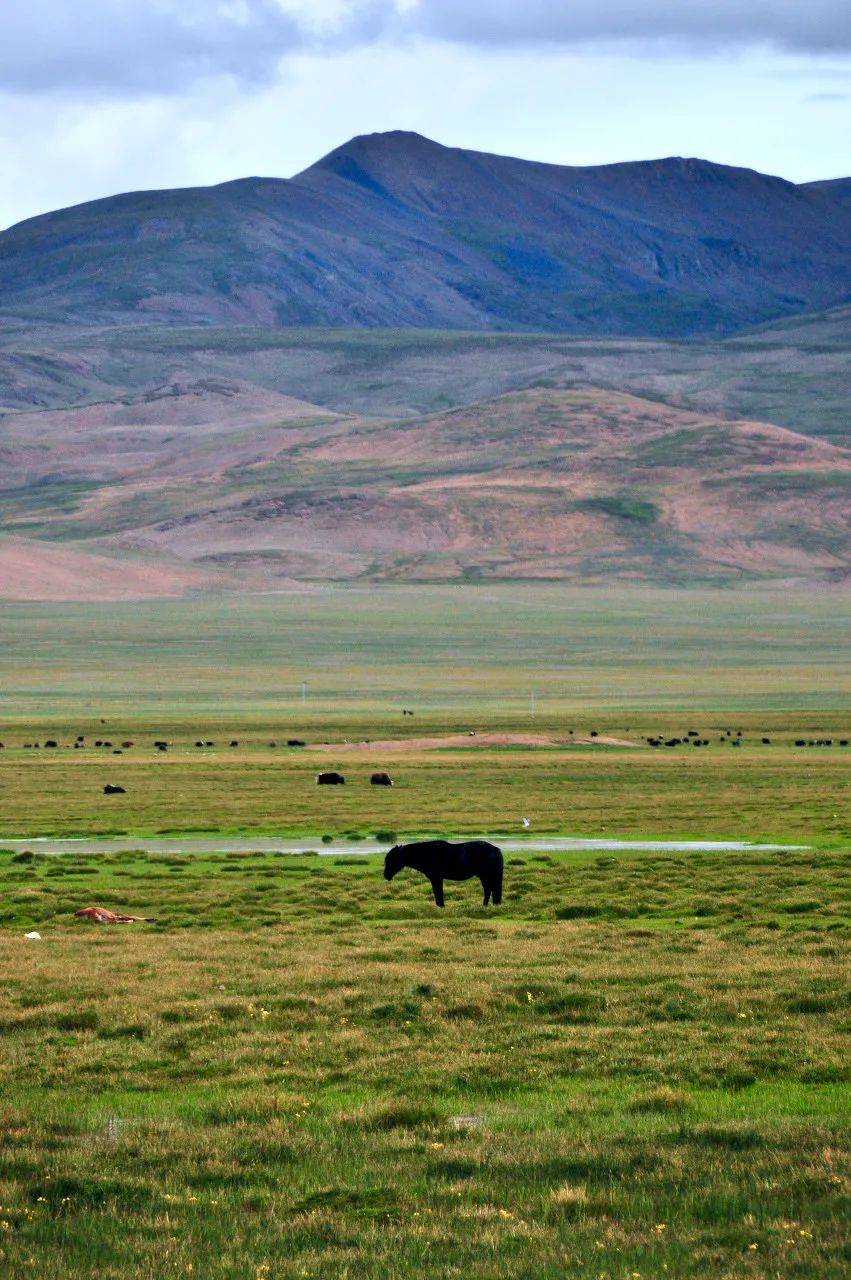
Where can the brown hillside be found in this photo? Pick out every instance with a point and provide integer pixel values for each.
(577, 484)
(39, 571)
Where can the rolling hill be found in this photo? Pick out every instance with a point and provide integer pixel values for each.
(394, 231)
(224, 485)
(793, 372)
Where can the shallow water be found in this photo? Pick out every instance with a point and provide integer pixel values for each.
(270, 844)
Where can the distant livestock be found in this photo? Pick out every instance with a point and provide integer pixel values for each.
(381, 780)
(330, 780)
(296, 742)
(439, 860)
(111, 789)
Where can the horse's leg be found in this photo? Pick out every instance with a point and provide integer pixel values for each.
(487, 890)
(496, 887)
(437, 890)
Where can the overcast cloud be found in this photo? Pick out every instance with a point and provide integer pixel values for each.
(132, 47)
(807, 25)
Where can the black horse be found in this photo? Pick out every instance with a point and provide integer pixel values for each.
(439, 860)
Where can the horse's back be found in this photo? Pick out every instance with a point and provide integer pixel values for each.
(482, 849)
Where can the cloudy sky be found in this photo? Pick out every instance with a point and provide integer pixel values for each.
(99, 96)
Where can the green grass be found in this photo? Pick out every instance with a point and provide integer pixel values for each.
(788, 482)
(299, 1070)
(623, 506)
(777, 793)
(456, 649)
(637, 1066)
(629, 664)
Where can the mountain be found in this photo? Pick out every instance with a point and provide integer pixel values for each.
(392, 230)
(836, 188)
(223, 485)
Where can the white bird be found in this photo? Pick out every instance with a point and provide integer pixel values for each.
(526, 822)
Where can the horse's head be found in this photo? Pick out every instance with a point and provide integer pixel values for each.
(394, 862)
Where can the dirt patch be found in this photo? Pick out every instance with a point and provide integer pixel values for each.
(453, 740)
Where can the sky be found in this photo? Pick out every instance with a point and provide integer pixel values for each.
(102, 96)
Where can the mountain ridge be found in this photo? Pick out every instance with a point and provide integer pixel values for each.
(394, 230)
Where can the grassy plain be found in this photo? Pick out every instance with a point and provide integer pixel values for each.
(637, 1067)
(775, 793)
(481, 648)
(625, 663)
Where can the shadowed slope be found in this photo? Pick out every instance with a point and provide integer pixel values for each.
(395, 230)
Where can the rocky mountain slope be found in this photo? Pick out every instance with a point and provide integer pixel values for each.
(392, 230)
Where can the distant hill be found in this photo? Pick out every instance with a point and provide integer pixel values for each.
(793, 372)
(222, 485)
(392, 230)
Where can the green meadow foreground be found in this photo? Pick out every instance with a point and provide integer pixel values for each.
(636, 1068)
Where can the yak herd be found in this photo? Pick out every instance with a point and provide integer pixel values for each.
(690, 738)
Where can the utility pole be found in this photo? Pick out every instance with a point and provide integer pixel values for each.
(303, 692)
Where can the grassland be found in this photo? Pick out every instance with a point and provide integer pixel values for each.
(622, 664)
(458, 649)
(776, 793)
(636, 1067)
(627, 664)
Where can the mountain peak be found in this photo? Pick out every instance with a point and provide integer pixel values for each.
(372, 155)
(396, 230)
(393, 141)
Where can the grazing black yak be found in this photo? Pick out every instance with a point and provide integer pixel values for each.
(330, 779)
(381, 780)
(438, 860)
